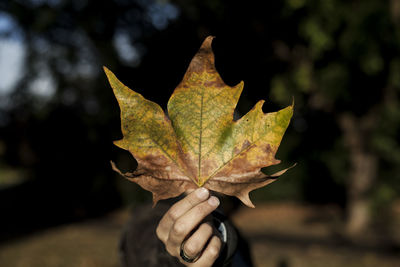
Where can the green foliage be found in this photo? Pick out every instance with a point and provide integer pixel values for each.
(346, 59)
(333, 56)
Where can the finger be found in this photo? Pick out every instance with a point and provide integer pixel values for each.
(178, 209)
(189, 221)
(211, 253)
(195, 244)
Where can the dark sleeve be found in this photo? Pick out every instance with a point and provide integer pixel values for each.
(235, 251)
(140, 245)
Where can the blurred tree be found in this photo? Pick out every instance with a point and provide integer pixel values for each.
(59, 119)
(339, 59)
(345, 63)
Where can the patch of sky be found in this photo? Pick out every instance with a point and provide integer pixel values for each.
(43, 86)
(161, 13)
(52, 3)
(128, 53)
(12, 53)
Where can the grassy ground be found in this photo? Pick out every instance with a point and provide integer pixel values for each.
(92, 243)
(281, 235)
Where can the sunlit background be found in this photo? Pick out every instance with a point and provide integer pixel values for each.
(62, 205)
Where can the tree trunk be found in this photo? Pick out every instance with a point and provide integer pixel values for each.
(363, 171)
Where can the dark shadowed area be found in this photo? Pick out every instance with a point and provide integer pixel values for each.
(62, 205)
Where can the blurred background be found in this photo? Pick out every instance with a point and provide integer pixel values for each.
(62, 205)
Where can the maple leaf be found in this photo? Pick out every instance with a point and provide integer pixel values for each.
(200, 144)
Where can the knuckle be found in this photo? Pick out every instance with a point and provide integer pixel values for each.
(192, 199)
(191, 249)
(214, 251)
(158, 232)
(170, 250)
(208, 227)
(174, 213)
(215, 247)
(161, 234)
(203, 209)
(179, 228)
(170, 247)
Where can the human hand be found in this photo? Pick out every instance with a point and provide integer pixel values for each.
(182, 229)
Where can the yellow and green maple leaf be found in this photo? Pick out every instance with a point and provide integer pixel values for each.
(199, 144)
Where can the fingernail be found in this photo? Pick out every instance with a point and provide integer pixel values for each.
(202, 193)
(213, 201)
